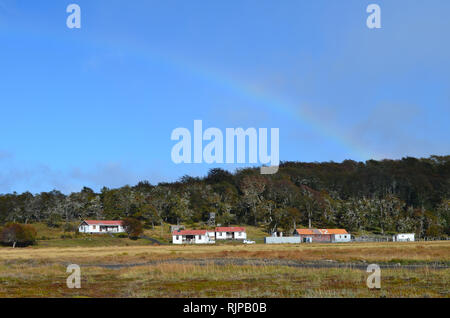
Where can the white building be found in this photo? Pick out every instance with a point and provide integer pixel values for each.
(339, 238)
(101, 227)
(193, 237)
(323, 235)
(230, 233)
(404, 237)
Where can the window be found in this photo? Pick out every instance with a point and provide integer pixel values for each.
(93, 226)
(177, 237)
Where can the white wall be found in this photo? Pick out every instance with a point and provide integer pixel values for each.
(237, 235)
(221, 235)
(342, 238)
(198, 239)
(177, 239)
(202, 239)
(405, 237)
(240, 235)
(211, 235)
(84, 228)
(282, 240)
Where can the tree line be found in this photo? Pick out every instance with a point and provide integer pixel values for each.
(382, 197)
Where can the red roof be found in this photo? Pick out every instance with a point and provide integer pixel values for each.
(96, 222)
(321, 231)
(189, 232)
(230, 229)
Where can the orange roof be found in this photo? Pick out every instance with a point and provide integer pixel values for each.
(305, 231)
(335, 231)
(103, 222)
(230, 229)
(189, 232)
(320, 231)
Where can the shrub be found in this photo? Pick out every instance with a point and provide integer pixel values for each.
(70, 228)
(53, 220)
(18, 234)
(121, 235)
(133, 227)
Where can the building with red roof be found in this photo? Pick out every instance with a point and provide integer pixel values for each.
(208, 236)
(193, 237)
(230, 233)
(323, 235)
(101, 227)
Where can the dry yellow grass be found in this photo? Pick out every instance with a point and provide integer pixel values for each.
(438, 251)
(41, 272)
(179, 280)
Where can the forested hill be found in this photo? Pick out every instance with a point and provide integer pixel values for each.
(408, 195)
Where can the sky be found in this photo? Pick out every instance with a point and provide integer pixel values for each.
(96, 106)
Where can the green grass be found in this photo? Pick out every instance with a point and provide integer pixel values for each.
(180, 280)
(56, 237)
(45, 232)
(40, 271)
(92, 241)
(254, 233)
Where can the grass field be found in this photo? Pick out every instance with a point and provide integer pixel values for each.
(172, 271)
(119, 267)
(56, 237)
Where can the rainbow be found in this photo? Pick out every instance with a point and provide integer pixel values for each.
(278, 105)
(273, 103)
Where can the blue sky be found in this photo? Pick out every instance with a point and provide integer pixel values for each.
(96, 106)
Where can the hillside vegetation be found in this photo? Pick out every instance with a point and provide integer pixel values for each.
(382, 197)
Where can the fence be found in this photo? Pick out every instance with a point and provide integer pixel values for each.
(389, 239)
(282, 240)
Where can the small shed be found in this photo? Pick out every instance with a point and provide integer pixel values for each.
(404, 237)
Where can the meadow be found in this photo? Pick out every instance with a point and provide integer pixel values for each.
(227, 270)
